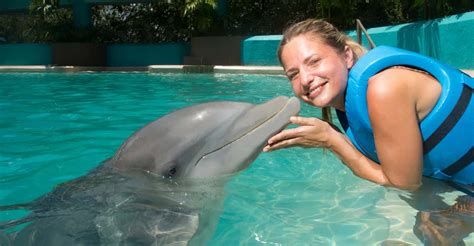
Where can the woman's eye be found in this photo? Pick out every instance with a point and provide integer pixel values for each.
(291, 76)
(313, 62)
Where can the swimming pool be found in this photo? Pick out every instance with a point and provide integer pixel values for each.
(57, 126)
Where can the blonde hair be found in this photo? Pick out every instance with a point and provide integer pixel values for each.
(327, 33)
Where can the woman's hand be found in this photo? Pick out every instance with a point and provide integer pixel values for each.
(312, 132)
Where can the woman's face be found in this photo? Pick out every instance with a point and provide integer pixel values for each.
(318, 73)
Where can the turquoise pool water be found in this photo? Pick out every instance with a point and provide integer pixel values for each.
(55, 127)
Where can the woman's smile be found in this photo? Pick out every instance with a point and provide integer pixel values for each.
(316, 88)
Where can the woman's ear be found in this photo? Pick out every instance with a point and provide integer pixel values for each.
(348, 56)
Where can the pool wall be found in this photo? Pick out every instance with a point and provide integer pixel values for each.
(261, 50)
(135, 55)
(17, 5)
(25, 54)
(449, 39)
(83, 54)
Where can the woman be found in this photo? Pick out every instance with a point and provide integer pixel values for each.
(405, 115)
(395, 106)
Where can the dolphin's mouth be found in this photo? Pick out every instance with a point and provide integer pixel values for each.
(290, 108)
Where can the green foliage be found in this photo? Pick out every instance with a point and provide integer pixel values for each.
(247, 17)
(45, 22)
(194, 5)
(201, 12)
(44, 7)
(153, 22)
(140, 23)
(270, 17)
(179, 20)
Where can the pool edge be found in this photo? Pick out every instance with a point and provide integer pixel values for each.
(270, 70)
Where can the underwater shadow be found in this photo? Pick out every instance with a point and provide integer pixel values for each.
(437, 222)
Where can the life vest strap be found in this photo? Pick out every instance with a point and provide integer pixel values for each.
(460, 164)
(450, 121)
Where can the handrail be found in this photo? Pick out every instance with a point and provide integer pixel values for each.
(360, 28)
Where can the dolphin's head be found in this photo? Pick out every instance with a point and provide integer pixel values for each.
(205, 140)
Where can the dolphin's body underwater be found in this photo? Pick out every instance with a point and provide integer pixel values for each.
(162, 185)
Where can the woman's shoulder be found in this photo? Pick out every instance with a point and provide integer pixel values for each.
(391, 82)
(402, 85)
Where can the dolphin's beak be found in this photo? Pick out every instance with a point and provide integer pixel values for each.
(276, 111)
(276, 119)
(249, 133)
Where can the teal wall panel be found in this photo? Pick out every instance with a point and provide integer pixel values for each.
(122, 55)
(14, 5)
(260, 50)
(449, 39)
(25, 54)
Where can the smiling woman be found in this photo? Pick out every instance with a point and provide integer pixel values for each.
(402, 112)
(322, 64)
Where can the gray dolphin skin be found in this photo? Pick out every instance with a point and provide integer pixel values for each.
(164, 185)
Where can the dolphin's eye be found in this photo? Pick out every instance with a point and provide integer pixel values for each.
(171, 172)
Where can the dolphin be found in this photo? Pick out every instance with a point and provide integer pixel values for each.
(164, 185)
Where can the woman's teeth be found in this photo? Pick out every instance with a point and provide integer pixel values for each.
(313, 92)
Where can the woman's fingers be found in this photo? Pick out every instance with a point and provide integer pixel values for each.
(282, 144)
(285, 134)
(303, 121)
(306, 135)
(306, 125)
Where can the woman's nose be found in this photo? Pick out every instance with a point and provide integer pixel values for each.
(306, 78)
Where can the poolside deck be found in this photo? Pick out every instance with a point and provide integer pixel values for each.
(269, 70)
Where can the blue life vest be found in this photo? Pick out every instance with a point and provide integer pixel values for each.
(447, 131)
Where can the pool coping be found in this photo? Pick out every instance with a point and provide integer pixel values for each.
(268, 70)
